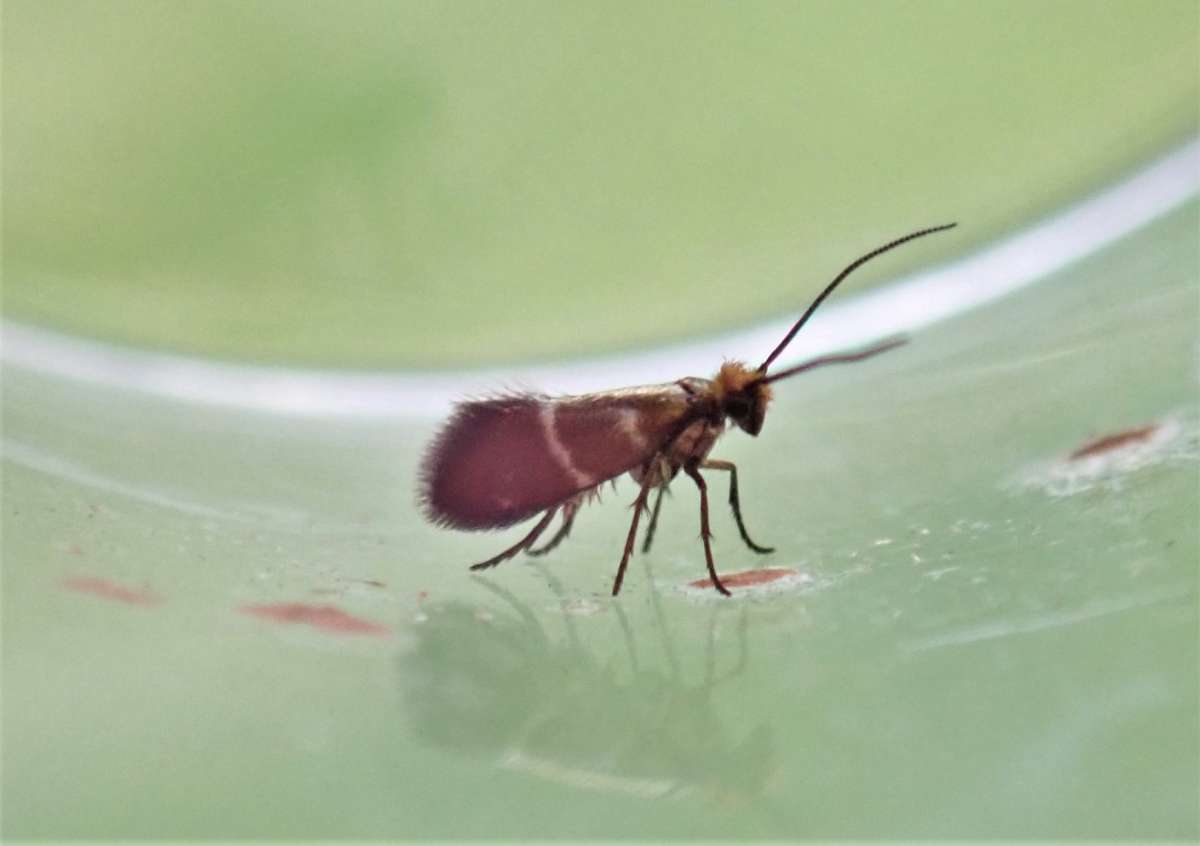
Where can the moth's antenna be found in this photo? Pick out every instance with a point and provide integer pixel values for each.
(787, 339)
(837, 358)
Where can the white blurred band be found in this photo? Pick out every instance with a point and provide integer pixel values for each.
(905, 305)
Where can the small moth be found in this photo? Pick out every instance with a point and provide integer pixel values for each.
(501, 460)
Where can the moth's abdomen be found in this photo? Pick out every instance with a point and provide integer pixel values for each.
(500, 461)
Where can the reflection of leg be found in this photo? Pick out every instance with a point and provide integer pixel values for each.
(710, 650)
(627, 631)
(527, 617)
(519, 545)
(653, 519)
(569, 512)
(556, 587)
(733, 502)
(638, 505)
(660, 621)
(705, 534)
(743, 653)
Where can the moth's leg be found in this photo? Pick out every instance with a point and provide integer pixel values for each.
(705, 534)
(734, 504)
(519, 545)
(662, 489)
(569, 511)
(639, 505)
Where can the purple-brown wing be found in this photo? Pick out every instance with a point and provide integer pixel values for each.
(499, 461)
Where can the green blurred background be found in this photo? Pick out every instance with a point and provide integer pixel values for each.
(985, 637)
(432, 184)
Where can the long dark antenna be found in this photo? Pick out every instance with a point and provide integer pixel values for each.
(787, 339)
(837, 358)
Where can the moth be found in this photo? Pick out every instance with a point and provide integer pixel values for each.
(501, 460)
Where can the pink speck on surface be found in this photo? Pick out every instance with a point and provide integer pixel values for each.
(324, 617)
(748, 578)
(1114, 441)
(105, 589)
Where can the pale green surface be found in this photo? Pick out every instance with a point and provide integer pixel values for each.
(1015, 661)
(437, 183)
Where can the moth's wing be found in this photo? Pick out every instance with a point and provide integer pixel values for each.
(499, 461)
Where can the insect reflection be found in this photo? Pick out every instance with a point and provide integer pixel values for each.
(492, 683)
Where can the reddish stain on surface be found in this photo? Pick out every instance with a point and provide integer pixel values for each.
(1114, 441)
(105, 589)
(748, 578)
(324, 617)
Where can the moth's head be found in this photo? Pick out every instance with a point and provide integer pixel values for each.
(743, 394)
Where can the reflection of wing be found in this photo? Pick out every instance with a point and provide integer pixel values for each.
(499, 461)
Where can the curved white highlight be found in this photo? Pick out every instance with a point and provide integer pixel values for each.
(558, 449)
(903, 306)
(32, 458)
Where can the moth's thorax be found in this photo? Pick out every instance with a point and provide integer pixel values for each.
(695, 386)
(693, 444)
(696, 441)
